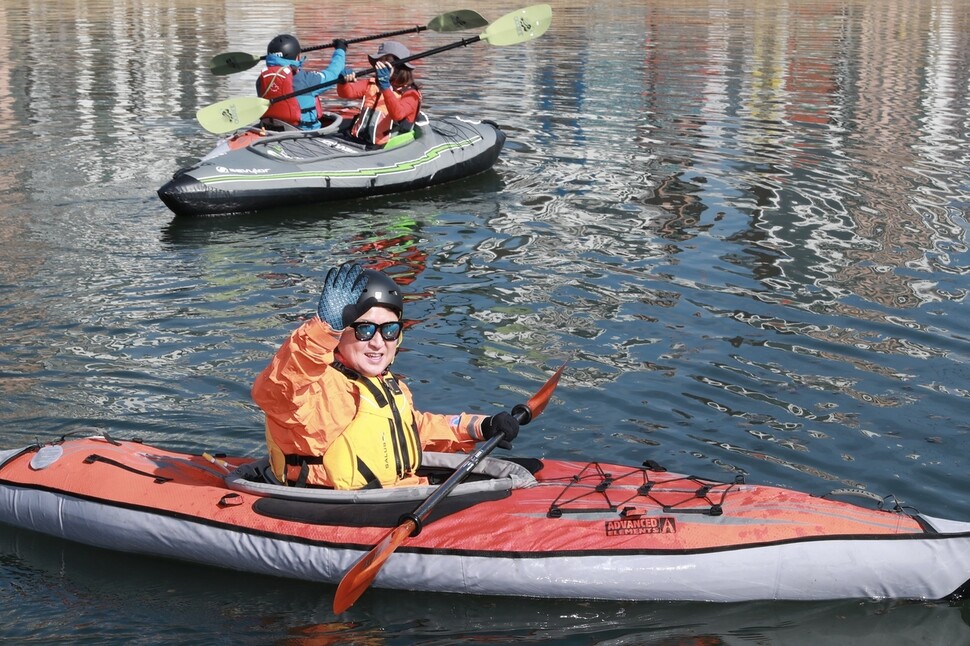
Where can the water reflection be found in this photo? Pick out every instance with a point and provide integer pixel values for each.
(792, 174)
(177, 602)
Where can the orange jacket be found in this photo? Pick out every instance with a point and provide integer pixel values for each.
(308, 403)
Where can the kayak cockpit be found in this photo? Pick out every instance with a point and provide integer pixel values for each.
(491, 475)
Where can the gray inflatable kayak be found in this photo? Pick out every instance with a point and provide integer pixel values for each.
(252, 170)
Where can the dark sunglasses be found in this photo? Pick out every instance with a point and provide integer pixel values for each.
(365, 330)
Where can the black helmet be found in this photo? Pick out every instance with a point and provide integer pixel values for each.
(286, 46)
(379, 290)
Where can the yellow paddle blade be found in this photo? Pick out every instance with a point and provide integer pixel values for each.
(519, 26)
(232, 114)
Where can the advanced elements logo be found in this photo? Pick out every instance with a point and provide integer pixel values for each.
(642, 525)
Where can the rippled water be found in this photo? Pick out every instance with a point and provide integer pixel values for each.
(743, 223)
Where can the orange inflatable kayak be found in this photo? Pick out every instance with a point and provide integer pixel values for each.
(520, 527)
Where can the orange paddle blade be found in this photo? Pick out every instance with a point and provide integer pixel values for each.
(364, 571)
(538, 401)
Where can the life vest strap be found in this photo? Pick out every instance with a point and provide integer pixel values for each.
(373, 482)
(304, 462)
(367, 383)
(295, 460)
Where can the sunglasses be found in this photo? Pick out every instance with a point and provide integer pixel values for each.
(365, 330)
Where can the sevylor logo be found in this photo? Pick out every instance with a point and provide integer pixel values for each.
(630, 526)
(242, 171)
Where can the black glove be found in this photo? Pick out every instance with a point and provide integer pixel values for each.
(341, 288)
(340, 43)
(501, 424)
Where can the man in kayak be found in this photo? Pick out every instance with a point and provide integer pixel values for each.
(284, 74)
(335, 415)
(390, 102)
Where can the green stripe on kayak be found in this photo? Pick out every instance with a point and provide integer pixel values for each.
(430, 155)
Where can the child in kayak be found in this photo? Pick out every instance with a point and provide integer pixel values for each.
(390, 102)
(284, 74)
(335, 415)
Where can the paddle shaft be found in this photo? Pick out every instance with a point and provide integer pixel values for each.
(437, 50)
(419, 515)
(363, 39)
(359, 577)
(460, 20)
(523, 413)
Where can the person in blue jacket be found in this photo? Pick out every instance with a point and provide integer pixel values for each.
(285, 74)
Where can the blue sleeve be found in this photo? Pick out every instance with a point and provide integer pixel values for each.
(332, 73)
(337, 63)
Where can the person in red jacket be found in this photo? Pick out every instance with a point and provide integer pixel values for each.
(335, 415)
(390, 102)
(285, 74)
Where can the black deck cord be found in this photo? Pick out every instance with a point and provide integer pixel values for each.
(103, 434)
(94, 457)
(465, 129)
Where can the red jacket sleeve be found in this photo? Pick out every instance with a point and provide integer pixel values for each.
(354, 90)
(403, 108)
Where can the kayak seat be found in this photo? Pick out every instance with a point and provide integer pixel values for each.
(399, 140)
(330, 123)
(407, 137)
(276, 125)
(437, 475)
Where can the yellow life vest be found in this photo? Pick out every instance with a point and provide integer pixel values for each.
(381, 446)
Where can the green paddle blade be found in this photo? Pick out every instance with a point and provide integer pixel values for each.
(519, 26)
(232, 114)
(457, 21)
(232, 62)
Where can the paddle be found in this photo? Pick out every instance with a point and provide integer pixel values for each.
(512, 28)
(359, 577)
(232, 62)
